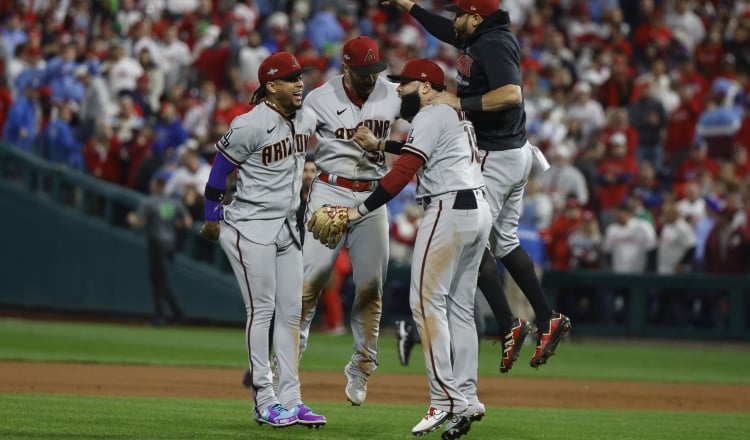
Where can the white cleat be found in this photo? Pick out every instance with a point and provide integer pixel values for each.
(431, 421)
(356, 385)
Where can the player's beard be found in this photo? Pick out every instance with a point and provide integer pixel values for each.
(410, 105)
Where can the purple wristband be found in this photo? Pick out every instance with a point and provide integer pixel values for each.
(214, 211)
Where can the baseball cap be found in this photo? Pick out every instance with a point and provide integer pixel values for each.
(362, 55)
(281, 65)
(481, 7)
(420, 69)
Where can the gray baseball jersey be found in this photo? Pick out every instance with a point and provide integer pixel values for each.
(448, 148)
(447, 251)
(270, 153)
(367, 240)
(260, 239)
(338, 119)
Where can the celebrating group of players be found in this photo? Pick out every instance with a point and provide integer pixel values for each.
(470, 154)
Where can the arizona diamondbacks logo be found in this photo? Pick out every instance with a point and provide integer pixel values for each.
(463, 64)
(370, 56)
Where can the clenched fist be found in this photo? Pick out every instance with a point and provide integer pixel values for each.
(210, 231)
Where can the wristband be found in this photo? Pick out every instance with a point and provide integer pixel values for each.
(213, 211)
(214, 194)
(472, 103)
(362, 209)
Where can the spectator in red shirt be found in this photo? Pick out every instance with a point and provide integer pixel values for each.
(227, 108)
(618, 121)
(681, 124)
(616, 91)
(102, 156)
(728, 245)
(614, 176)
(568, 222)
(708, 53)
(696, 163)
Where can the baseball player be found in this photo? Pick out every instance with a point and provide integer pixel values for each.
(258, 231)
(490, 91)
(347, 174)
(441, 150)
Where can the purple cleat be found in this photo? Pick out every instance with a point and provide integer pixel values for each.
(277, 416)
(307, 417)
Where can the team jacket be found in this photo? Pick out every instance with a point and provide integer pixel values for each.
(488, 60)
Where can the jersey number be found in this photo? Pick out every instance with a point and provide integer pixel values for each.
(469, 130)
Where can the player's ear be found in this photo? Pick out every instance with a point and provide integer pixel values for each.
(271, 87)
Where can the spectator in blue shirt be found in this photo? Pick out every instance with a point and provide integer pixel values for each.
(59, 142)
(21, 122)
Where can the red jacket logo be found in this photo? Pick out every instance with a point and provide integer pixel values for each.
(463, 64)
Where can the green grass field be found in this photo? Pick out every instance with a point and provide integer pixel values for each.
(40, 416)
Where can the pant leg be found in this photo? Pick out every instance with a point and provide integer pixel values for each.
(367, 242)
(287, 319)
(254, 266)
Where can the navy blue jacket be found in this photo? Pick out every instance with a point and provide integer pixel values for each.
(488, 60)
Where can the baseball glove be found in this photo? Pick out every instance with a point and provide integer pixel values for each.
(328, 224)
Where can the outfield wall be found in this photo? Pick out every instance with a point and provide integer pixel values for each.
(66, 247)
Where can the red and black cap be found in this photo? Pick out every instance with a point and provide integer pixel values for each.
(420, 69)
(281, 65)
(479, 7)
(362, 55)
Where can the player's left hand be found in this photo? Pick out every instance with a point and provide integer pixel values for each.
(210, 231)
(446, 98)
(365, 139)
(328, 224)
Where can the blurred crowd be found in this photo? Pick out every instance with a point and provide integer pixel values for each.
(643, 108)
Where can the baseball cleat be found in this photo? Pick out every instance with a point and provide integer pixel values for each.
(458, 425)
(307, 417)
(356, 385)
(405, 341)
(277, 416)
(475, 412)
(549, 334)
(512, 343)
(431, 421)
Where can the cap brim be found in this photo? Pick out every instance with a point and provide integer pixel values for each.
(296, 73)
(375, 67)
(399, 78)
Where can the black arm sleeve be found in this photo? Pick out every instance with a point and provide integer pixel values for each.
(440, 27)
(378, 198)
(393, 147)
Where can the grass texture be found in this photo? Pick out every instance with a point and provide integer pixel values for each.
(89, 417)
(224, 347)
(43, 416)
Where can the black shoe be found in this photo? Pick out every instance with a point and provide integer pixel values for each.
(457, 426)
(405, 341)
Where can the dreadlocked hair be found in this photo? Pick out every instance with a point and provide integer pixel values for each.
(258, 95)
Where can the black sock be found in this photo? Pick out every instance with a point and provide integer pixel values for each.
(521, 268)
(489, 282)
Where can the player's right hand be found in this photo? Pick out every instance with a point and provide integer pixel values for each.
(210, 231)
(365, 139)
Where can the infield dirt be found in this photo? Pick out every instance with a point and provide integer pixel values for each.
(501, 391)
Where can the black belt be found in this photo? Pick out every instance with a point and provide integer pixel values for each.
(465, 199)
